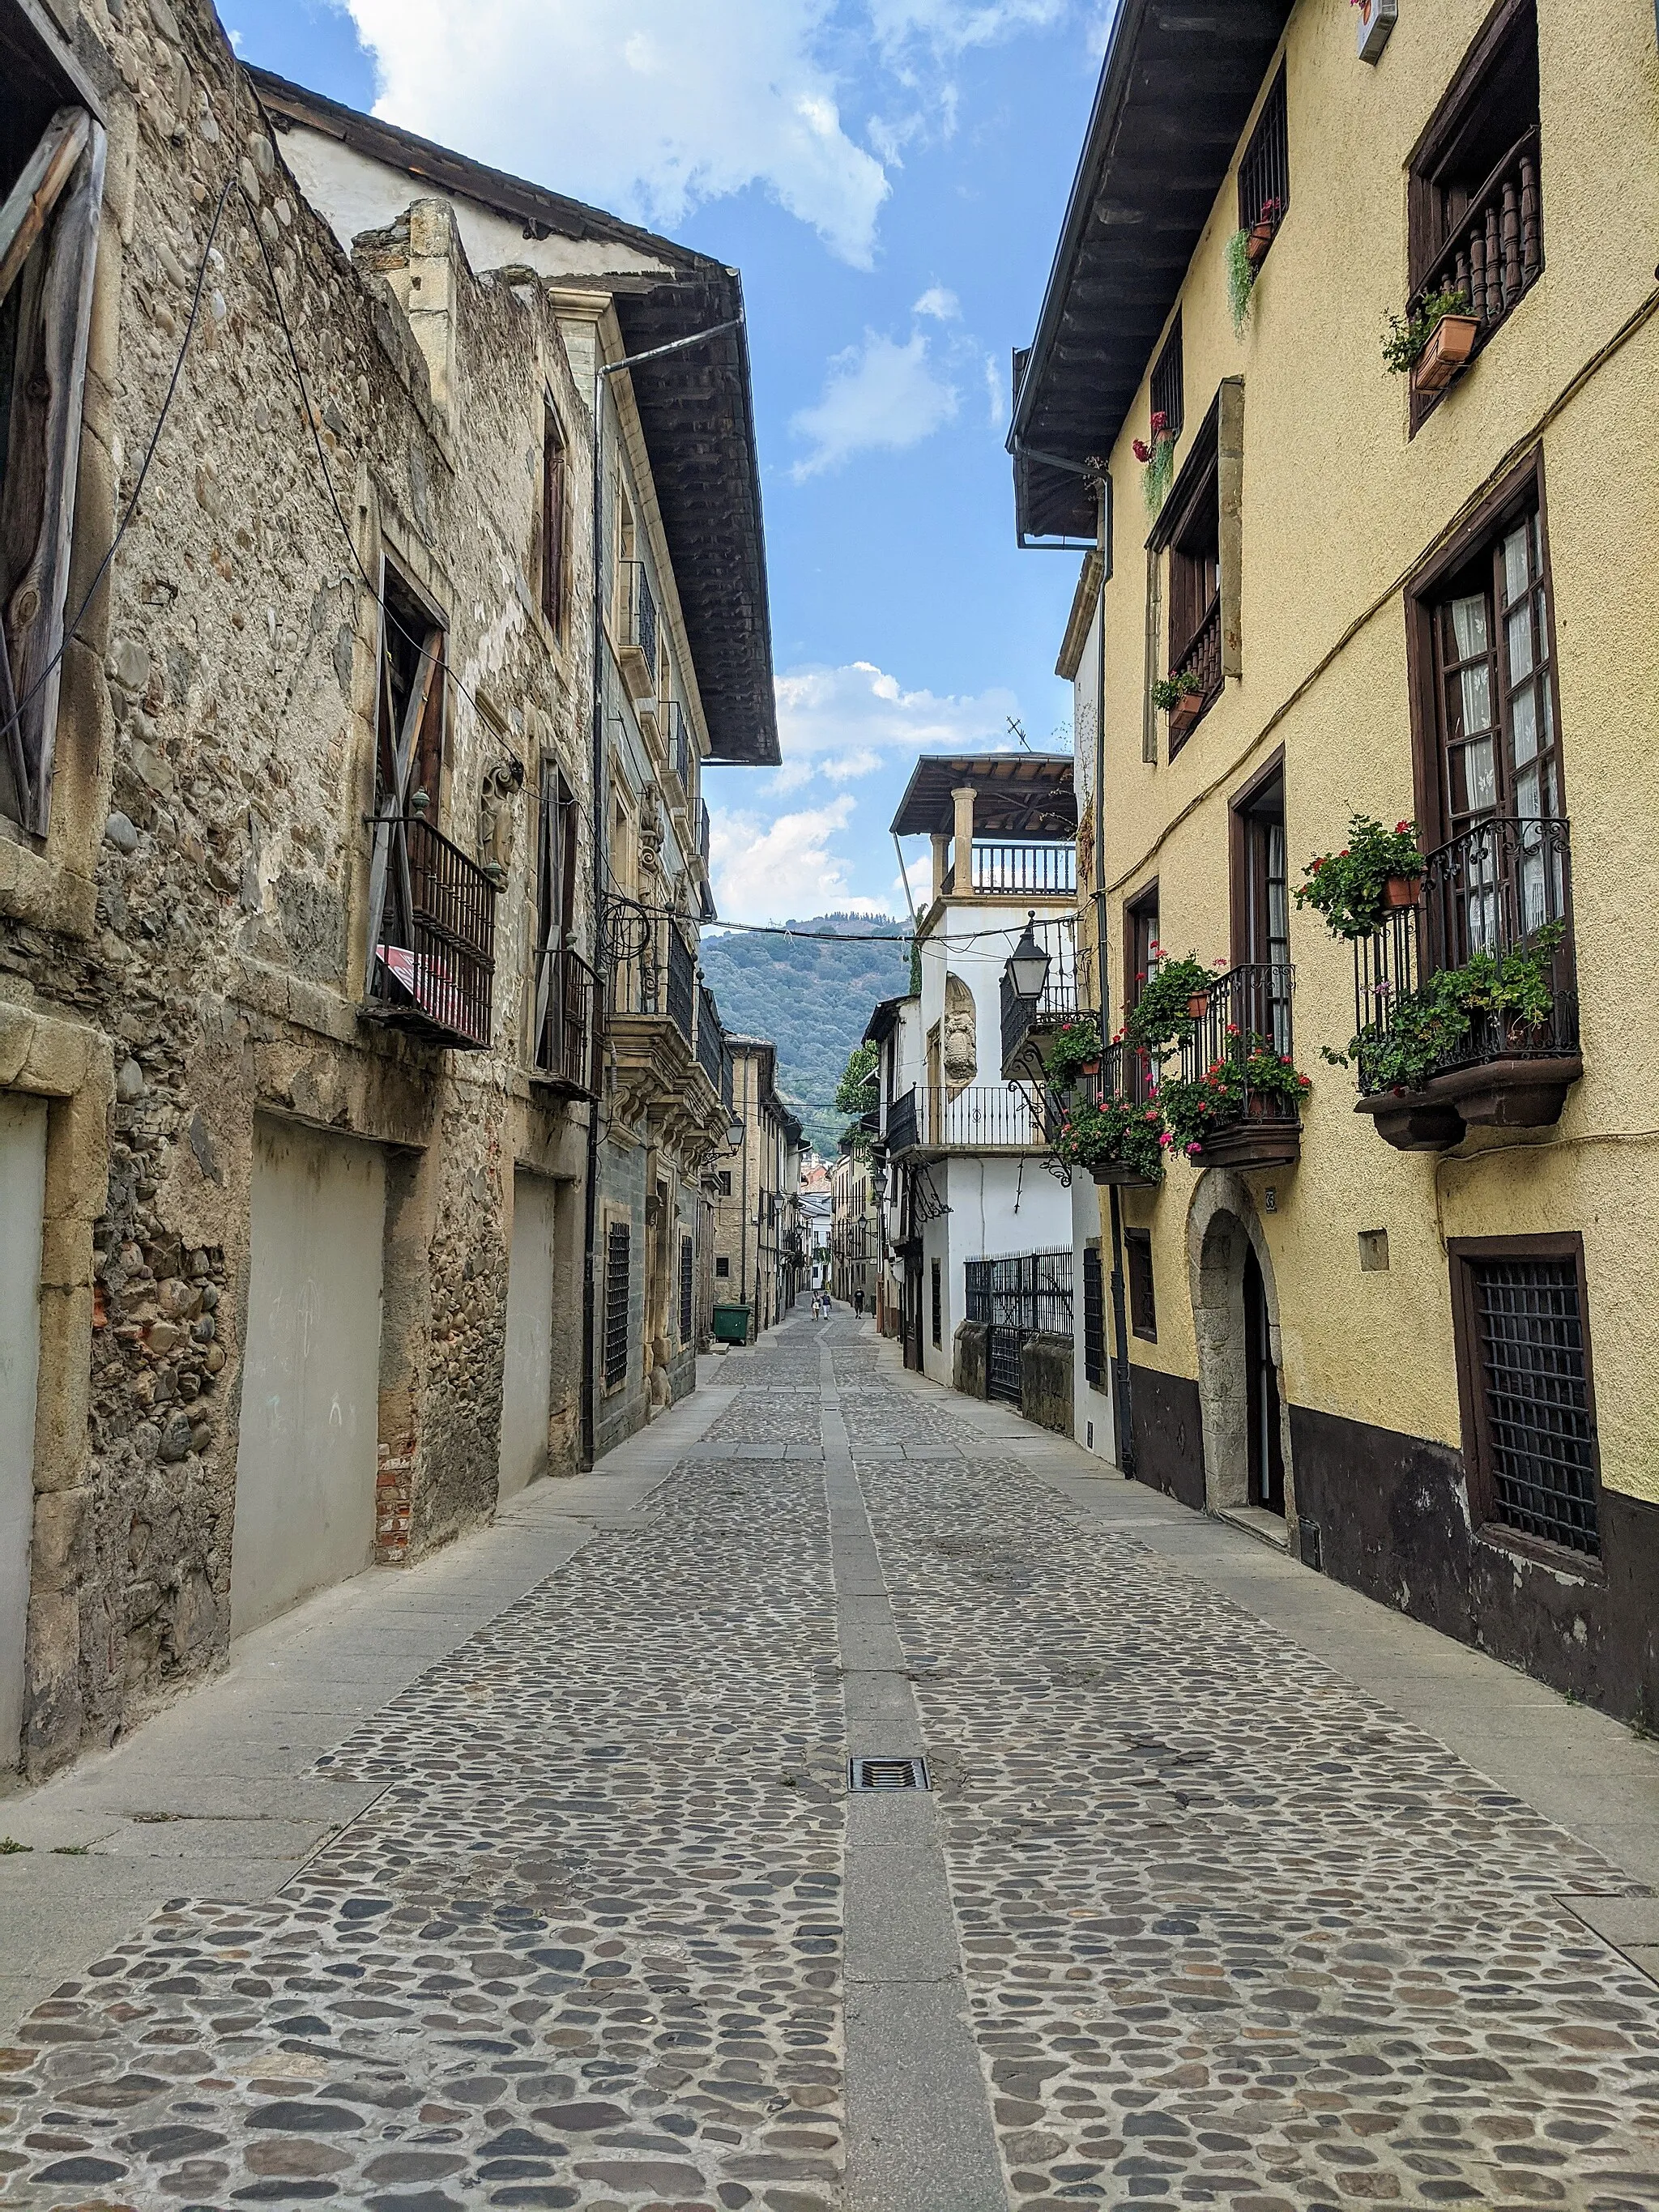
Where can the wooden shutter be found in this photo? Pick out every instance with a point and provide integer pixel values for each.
(48, 250)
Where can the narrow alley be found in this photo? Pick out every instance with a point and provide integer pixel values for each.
(1202, 1906)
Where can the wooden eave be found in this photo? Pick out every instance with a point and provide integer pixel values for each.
(1175, 92)
(1021, 795)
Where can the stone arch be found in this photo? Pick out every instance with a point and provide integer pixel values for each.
(1222, 1225)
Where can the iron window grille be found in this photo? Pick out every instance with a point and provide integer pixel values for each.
(1094, 1318)
(1524, 1368)
(1169, 397)
(722, 1267)
(711, 1041)
(51, 187)
(1014, 1298)
(1264, 169)
(685, 1290)
(938, 1305)
(553, 549)
(619, 1238)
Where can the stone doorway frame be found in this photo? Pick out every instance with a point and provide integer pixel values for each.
(1221, 1221)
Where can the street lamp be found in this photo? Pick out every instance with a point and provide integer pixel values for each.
(1028, 964)
(734, 1133)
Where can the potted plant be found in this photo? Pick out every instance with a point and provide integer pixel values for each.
(1115, 1141)
(1252, 1084)
(1163, 1014)
(1415, 1035)
(1073, 1050)
(1375, 870)
(1432, 342)
(1156, 460)
(1260, 236)
(1181, 696)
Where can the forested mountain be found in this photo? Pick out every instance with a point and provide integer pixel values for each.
(811, 997)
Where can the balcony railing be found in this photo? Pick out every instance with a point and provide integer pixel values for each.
(1202, 652)
(982, 1118)
(652, 969)
(1488, 891)
(679, 750)
(1495, 251)
(711, 1039)
(638, 650)
(1048, 869)
(562, 1050)
(434, 959)
(1066, 993)
(1246, 1009)
(702, 831)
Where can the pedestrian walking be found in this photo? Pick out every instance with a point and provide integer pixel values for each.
(858, 1304)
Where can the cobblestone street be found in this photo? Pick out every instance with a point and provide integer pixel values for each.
(1186, 1918)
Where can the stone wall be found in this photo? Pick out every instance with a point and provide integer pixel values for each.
(1046, 1382)
(970, 1359)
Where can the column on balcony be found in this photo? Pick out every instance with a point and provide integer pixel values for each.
(962, 799)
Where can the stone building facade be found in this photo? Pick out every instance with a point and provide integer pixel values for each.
(760, 1256)
(330, 1063)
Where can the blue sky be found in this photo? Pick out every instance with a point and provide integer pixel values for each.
(890, 175)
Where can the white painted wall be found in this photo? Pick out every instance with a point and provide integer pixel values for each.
(996, 1211)
(527, 1383)
(22, 1197)
(306, 1457)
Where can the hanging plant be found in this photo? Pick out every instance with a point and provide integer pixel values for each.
(1412, 1038)
(1195, 1107)
(1351, 890)
(1073, 1050)
(1241, 280)
(1157, 461)
(1162, 1016)
(1113, 1134)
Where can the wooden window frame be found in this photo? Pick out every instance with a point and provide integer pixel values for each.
(1136, 908)
(722, 1268)
(1567, 1244)
(1168, 385)
(1428, 233)
(555, 561)
(1142, 1284)
(1522, 489)
(1212, 475)
(558, 815)
(1239, 808)
(50, 219)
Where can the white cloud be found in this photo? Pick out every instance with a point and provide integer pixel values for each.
(647, 106)
(949, 27)
(942, 304)
(996, 390)
(842, 723)
(877, 396)
(765, 871)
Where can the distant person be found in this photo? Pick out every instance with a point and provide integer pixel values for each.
(858, 1304)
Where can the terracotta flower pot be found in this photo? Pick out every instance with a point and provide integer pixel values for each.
(1090, 1067)
(1198, 1005)
(1450, 343)
(1402, 890)
(1261, 238)
(1186, 710)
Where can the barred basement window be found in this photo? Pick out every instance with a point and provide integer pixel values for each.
(1525, 1382)
(1094, 1318)
(725, 1175)
(1168, 383)
(1143, 1303)
(722, 1268)
(939, 1306)
(685, 1290)
(51, 188)
(1264, 171)
(618, 1238)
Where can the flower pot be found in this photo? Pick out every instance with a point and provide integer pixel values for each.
(1402, 890)
(1198, 1005)
(1450, 343)
(1185, 712)
(1260, 238)
(1090, 1067)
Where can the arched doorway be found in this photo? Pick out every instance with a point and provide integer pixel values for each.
(1247, 1446)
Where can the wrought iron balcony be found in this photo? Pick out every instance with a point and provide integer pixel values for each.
(637, 647)
(982, 1117)
(1126, 1076)
(1044, 870)
(434, 965)
(1246, 1010)
(711, 1039)
(1066, 993)
(1498, 895)
(562, 1048)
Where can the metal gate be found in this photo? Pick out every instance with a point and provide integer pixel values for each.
(1030, 1295)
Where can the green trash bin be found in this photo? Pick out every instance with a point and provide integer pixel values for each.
(730, 1324)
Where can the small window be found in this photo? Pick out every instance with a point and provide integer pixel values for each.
(560, 1011)
(722, 1268)
(938, 1305)
(685, 1290)
(1264, 171)
(1094, 1318)
(1168, 383)
(619, 1238)
(1475, 210)
(553, 509)
(1524, 1375)
(1192, 534)
(1143, 1302)
(408, 762)
(1141, 944)
(52, 173)
(725, 1178)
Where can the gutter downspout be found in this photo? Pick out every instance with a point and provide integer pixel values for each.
(1122, 1410)
(591, 1194)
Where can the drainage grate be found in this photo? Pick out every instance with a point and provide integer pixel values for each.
(887, 1774)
